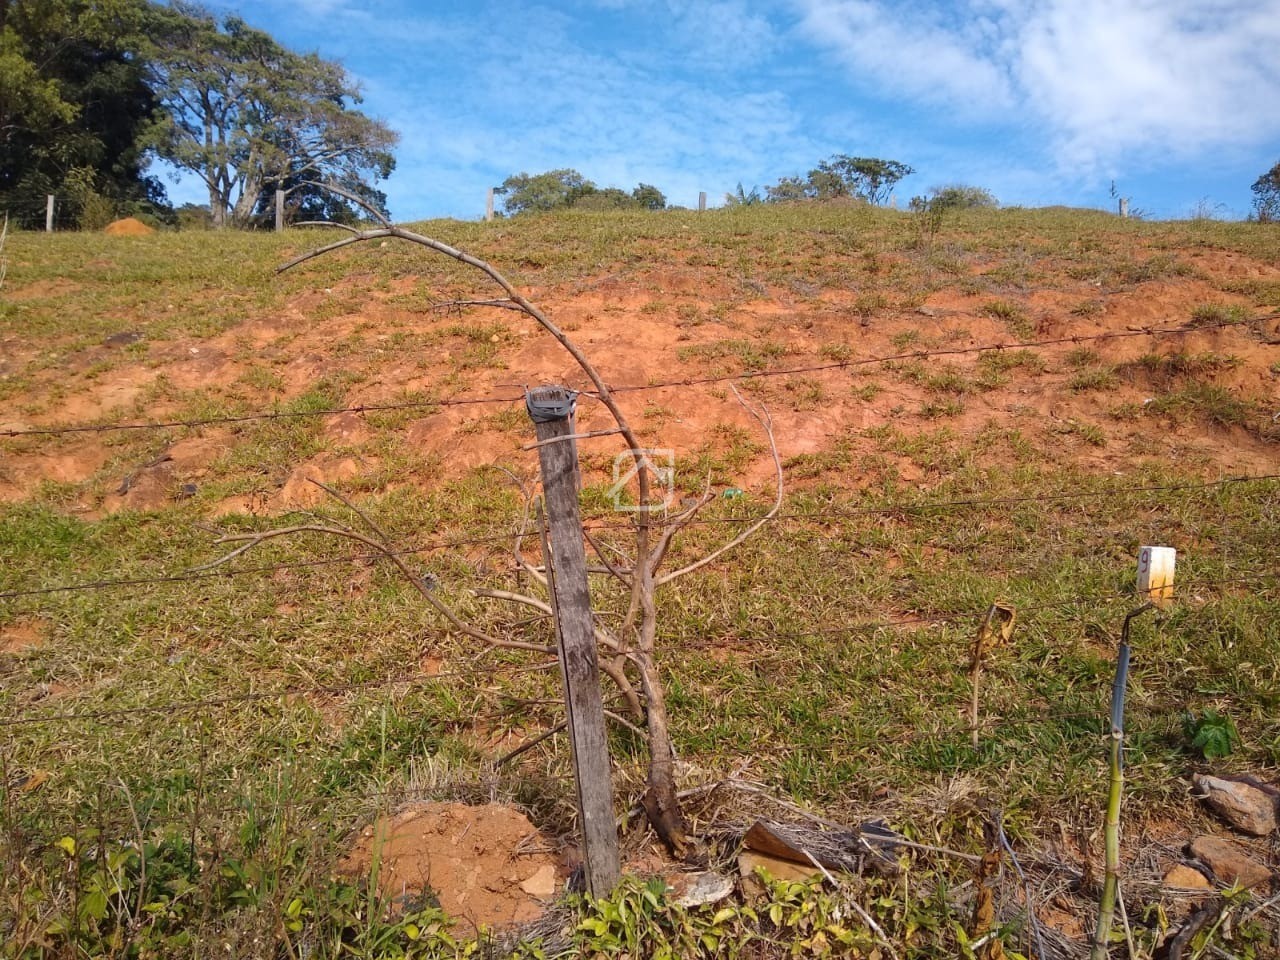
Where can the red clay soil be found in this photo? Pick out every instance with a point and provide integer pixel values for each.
(128, 227)
(671, 323)
(488, 866)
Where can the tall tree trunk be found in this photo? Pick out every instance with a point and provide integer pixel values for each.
(242, 214)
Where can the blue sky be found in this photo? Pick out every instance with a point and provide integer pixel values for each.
(1042, 101)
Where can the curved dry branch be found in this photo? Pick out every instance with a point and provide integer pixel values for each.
(358, 237)
(359, 201)
(614, 668)
(766, 422)
(327, 223)
(501, 303)
(250, 540)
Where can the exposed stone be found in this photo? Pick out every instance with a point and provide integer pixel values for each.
(1186, 878)
(1229, 862)
(1246, 807)
(542, 884)
(776, 867)
(703, 888)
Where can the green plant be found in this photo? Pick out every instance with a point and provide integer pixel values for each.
(1013, 315)
(1266, 196)
(1207, 314)
(1211, 734)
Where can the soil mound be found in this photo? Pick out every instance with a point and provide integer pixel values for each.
(487, 866)
(128, 227)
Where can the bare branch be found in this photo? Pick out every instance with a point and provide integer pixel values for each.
(348, 195)
(622, 575)
(501, 302)
(765, 421)
(602, 636)
(327, 223)
(338, 245)
(573, 436)
(251, 540)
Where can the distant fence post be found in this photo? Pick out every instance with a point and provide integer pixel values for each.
(48, 215)
(551, 409)
(279, 210)
(488, 205)
(1124, 208)
(702, 201)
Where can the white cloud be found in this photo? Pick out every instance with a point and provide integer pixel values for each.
(907, 51)
(1103, 78)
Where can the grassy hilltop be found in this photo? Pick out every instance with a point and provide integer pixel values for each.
(239, 722)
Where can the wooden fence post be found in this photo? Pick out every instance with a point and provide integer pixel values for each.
(48, 215)
(551, 409)
(1124, 208)
(279, 210)
(488, 205)
(702, 201)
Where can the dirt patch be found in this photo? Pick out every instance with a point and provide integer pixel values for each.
(128, 227)
(21, 475)
(488, 866)
(23, 635)
(302, 489)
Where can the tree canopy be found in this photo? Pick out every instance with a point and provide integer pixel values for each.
(92, 90)
(248, 116)
(560, 189)
(956, 196)
(842, 176)
(75, 107)
(1266, 196)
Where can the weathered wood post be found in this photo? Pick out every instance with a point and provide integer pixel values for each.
(279, 210)
(48, 215)
(488, 205)
(551, 409)
(1124, 208)
(702, 201)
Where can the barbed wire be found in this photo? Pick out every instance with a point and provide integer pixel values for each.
(865, 626)
(946, 352)
(249, 417)
(310, 690)
(686, 382)
(593, 527)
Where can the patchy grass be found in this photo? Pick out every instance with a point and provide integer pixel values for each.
(231, 730)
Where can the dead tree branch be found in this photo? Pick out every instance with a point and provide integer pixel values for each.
(635, 642)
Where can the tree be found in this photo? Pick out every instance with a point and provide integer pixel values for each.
(628, 647)
(249, 116)
(956, 196)
(610, 198)
(743, 198)
(1266, 196)
(865, 178)
(559, 189)
(649, 197)
(540, 192)
(75, 108)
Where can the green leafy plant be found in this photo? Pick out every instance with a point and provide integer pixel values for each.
(1212, 734)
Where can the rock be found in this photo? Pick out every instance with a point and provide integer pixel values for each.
(777, 868)
(1186, 878)
(542, 884)
(1229, 862)
(1248, 808)
(703, 888)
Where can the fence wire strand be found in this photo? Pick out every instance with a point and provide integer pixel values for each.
(772, 636)
(593, 527)
(685, 382)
